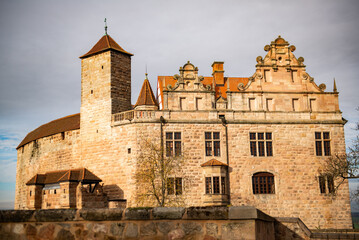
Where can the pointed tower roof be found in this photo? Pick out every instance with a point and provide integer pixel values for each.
(146, 96)
(104, 44)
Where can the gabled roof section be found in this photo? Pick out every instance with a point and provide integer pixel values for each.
(74, 175)
(104, 44)
(146, 96)
(64, 124)
(213, 163)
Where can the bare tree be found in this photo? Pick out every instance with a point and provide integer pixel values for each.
(154, 176)
(340, 167)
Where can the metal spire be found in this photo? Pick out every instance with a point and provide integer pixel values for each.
(105, 26)
(146, 72)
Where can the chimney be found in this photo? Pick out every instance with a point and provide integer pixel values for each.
(218, 73)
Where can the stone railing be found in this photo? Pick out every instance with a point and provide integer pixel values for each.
(134, 115)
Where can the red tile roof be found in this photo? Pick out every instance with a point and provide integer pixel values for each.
(104, 44)
(64, 124)
(212, 163)
(146, 96)
(221, 90)
(74, 175)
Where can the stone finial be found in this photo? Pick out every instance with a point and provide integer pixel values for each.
(335, 87)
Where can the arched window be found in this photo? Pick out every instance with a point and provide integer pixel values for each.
(263, 183)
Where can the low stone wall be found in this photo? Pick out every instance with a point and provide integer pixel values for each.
(153, 223)
(139, 223)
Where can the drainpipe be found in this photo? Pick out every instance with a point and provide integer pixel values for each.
(225, 125)
(162, 121)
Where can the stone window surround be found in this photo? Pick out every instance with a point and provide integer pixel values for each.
(325, 150)
(268, 174)
(174, 183)
(212, 142)
(265, 140)
(326, 184)
(215, 171)
(172, 143)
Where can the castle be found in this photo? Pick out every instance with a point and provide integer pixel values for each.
(257, 141)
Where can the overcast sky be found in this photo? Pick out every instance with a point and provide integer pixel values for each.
(40, 42)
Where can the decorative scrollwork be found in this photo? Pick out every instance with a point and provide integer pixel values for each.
(259, 59)
(240, 86)
(300, 60)
(322, 87)
(266, 48)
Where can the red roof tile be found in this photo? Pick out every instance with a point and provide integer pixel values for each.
(104, 44)
(146, 96)
(64, 124)
(74, 175)
(212, 163)
(221, 90)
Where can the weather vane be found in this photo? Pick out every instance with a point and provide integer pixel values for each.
(105, 26)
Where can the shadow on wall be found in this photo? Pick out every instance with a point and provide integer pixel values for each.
(113, 191)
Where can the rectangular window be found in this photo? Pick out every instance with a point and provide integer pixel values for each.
(173, 144)
(261, 144)
(208, 185)
(174, 186)
(326, 182)
(251, 104)
(322, 184)
(312, 105)
(266, 76)
(322, 143)
(170, 186)
(330, 181)
(212, 144)
(223, 185)
(269, 103)
(198, 100)
(215, 185)
(178, 186)
(295, 104)
(182, 103)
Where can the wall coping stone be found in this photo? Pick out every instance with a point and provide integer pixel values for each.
(118, 214)
(168, 212)
(138, 213)
(205, 213)
(247, 212)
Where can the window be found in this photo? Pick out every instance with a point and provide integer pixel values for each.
(213, 144)
(322, 143)
(215, 185)
(263, 183)
(326, 181)
(312, 105)
(261, 144)
(182, 103)
(173, 144)
(295, 104)
(198, 100)
(30, 193)
(251, 104)
(55, 191)
(269, 104)
(174, 186)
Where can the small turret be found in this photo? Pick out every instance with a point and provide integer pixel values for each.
(146, 100)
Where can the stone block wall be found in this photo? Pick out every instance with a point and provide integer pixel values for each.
(56, 152)
(146, 223)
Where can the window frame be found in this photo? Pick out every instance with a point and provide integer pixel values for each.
(261, 144)
(322, 143)
(215, 187)
(173, 144)
(212, 143)
(326, 184)
(263, 183)
(174, 186)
